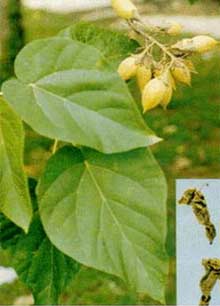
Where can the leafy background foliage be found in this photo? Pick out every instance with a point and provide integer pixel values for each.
(192, 1)
(114, 46)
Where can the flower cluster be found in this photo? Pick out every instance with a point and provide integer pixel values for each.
(157, 78)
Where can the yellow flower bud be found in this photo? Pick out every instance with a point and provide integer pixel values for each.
(190, 65)
(167, 76)
(153, 94)
(167, 96)
(128, 68)
(181, 73)
(204, 43)
(124, 8)
(200, 44)
(172, 82)
(168, 80)
(144, 75)
(158, 71)
(184, 45)
(174, 29)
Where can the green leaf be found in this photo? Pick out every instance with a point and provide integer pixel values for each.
(60, 97)
(108, 212)
(9, 233)
(14, 197)
(43, 268)
(115, 46)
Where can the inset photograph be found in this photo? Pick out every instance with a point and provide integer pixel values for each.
(198, 241)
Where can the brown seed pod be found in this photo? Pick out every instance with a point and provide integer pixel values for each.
(196, 200)
(208, 281)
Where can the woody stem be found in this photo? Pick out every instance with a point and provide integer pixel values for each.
(150, 38)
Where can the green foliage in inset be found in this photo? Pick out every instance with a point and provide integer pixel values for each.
(14, 198)
(107, 215)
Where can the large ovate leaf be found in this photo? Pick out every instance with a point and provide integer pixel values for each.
(14, 197)
(108, 212)
(60, 93)
(115, 46)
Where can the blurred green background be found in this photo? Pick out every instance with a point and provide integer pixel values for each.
(190, 129)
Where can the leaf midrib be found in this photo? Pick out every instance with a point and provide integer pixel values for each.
(87, 166)
(105, 201)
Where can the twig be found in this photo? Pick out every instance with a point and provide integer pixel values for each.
(151, 39)
(54, 149)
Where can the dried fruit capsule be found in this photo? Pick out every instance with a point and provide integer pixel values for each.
(144, 75)
(124, 8)
(208, 281)
(153, 94)
(181, 73)
(174, 29)
(204, 43)
(128, 68)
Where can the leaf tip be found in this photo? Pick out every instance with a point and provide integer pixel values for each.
(153, 139)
